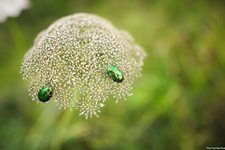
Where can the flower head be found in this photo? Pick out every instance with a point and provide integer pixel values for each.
(86, 60)
(12, 8)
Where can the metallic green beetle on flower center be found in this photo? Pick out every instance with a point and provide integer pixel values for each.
(115, 73)
(45, 93)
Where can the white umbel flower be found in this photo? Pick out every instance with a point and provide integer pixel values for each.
(84, 59)
(12, 8)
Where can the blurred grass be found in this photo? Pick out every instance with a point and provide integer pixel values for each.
(178, 103)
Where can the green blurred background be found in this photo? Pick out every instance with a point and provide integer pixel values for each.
(178, 103)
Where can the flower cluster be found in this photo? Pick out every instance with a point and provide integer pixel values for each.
(12, 8)
(73, 55)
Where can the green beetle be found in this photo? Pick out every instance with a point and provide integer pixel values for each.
(115, 74)
(45, 93)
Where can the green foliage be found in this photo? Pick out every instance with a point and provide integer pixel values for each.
(178, 103)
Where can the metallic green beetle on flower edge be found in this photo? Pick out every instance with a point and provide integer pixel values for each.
(45, 93)
(115, 73)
